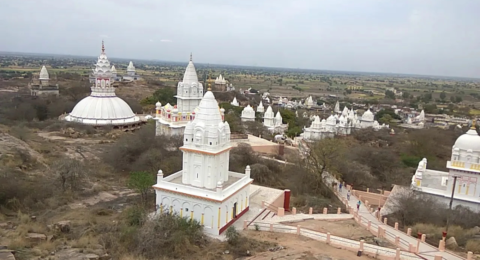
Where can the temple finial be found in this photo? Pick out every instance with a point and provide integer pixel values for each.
(474, 124)
(209, 84)
(103, 47)
(191, 57)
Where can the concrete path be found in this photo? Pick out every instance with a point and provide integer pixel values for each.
(427, 251)
(302, 217)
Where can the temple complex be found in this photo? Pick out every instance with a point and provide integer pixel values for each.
(461, 178)
(103, 107)
(40, 84)
(341, 123)
(205, 190)
(172, 120)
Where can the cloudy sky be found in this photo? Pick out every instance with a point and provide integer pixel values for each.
(431, 37)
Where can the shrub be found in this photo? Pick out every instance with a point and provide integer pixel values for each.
(232, 236)
(473, 245)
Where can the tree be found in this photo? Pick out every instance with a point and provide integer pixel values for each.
(164, 95)
(386, 119)
(389, 94)
(142, 183)
(322, 157)
(235, 123)
(443, 95)
(70, 173)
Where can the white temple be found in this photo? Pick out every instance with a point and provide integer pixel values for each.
(417, 122)
(205, 190)
(273, 122)
(309, 102)
(464, 165)
(114, 73)
(40, 84)
(230, 87)
(260, 108)
(131, 74)
(234, 102)
(336, 109)
(103, 107)
(248, 114)
(268, 118)
(172, 120)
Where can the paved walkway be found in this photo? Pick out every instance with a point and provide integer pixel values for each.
(427, 251)
(302, 217)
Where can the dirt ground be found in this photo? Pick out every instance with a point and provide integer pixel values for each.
(342, 228)
(298, 248)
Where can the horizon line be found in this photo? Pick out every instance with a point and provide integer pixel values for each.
(255, 66)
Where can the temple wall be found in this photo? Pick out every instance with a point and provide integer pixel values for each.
(214, 216)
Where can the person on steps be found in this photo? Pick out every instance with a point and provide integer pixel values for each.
(348, 194)
(340, 187)
(358, 205)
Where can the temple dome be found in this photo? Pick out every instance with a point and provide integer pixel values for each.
(260, 107)
(112, 109)
(248, 112)
(43, 74)
(368, 116)
(130, 67)
(468, 141)
(113, 70)
(208, 111)
(269, 113)
(102, 107)
(190, 75)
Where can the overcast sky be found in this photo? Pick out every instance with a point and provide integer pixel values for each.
(430, 37)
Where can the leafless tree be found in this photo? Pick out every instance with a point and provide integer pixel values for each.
(70, 173)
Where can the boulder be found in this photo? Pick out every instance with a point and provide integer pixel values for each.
(451, 242)
(6, 255)
(62, 226)
(92, 257)
(36, 237)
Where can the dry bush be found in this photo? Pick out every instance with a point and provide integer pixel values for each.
(168, 236)
(412, 208)
(473, 246)
(241, 246)
(434, 233)
(20, 191)
(143, 151)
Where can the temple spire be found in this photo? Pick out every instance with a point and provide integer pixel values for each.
(209, 88)
(191, 57)
(474, 124)
(103, 47)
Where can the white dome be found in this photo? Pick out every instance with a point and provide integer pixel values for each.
(130, 67)
(102, 111)
(248, 112)
(43, 73)
(368, 116)
(113, 70)
(468, 141)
